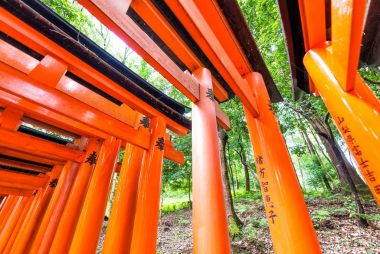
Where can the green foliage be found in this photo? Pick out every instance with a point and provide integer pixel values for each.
(174, 207)
(373, 74)
(233, 228)
(251, 229)
(314, 169)
(321, 214)
(263, 19)
(242, 195)
(368, 217)
(183, 221)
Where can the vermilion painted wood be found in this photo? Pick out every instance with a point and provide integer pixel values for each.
(120, 225)
(186, 20)
(116, 20)
(219, 25)
(92, 214)
(70, 215)
(20, 220)
(123, 113)
(6, 209)
(148, 194)
(286, 211)
(35, 215)
(347, 19)
(21, 180)
(10, 225)
(11, 118)
(313, 22)
(50, 219)
(222, 118)
(16, 58)
(210, 229)
(23, 165)
(356, 114)
(235, 80)
(49, 71)
(313, 18)
(149, 13)
(30, 157)
(3, 200)
(49, 127)
(48, 116)
(16, 191)
(36, 146)
(49, 97)
(33, 39)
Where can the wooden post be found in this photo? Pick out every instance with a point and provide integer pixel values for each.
(120, 225)
(356, 114)
(210, 230)
(7, 209)
(35, 214)
(149, 190)
(46, 229)
(288, 218)
(10, 225)
(20, 220)
(90, 221)
(67, 223)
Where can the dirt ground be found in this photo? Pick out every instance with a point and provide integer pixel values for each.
(337, 231)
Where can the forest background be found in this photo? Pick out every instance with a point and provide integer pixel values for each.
(325, 168)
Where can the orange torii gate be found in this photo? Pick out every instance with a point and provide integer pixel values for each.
(331, 59)
(85, 106)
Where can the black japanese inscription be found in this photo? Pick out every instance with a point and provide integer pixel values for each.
(160, 143)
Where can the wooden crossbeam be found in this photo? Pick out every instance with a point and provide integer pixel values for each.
(20, 31)
(11, 179)
(67, 106)
(123, 113)
(23, 165)
(15, 191)
(155, 20)
(110, 13)
(237, 84)
(29, 157)
(39, 147)
(222, 118)
(42, 113)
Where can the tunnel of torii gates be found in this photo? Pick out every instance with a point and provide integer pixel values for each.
(68, 108)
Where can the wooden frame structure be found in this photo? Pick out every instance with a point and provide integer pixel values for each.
(331, 58)
(68, 108)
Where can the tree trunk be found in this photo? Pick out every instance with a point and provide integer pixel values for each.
(303, 185)
(301, 173)
(229, 167)
(243, 159)
(351, 184)
(336, 154)
(321, 149)
(346, 171)
(226, 183)
(324, 133)
(318, 161)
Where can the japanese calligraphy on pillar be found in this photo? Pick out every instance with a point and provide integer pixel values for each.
(355, 148)
(265, 186)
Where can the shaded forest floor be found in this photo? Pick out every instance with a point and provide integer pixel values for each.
(333, 217)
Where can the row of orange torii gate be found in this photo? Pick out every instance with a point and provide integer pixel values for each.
(54, 189)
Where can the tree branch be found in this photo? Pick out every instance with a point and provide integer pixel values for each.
(371, 81)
